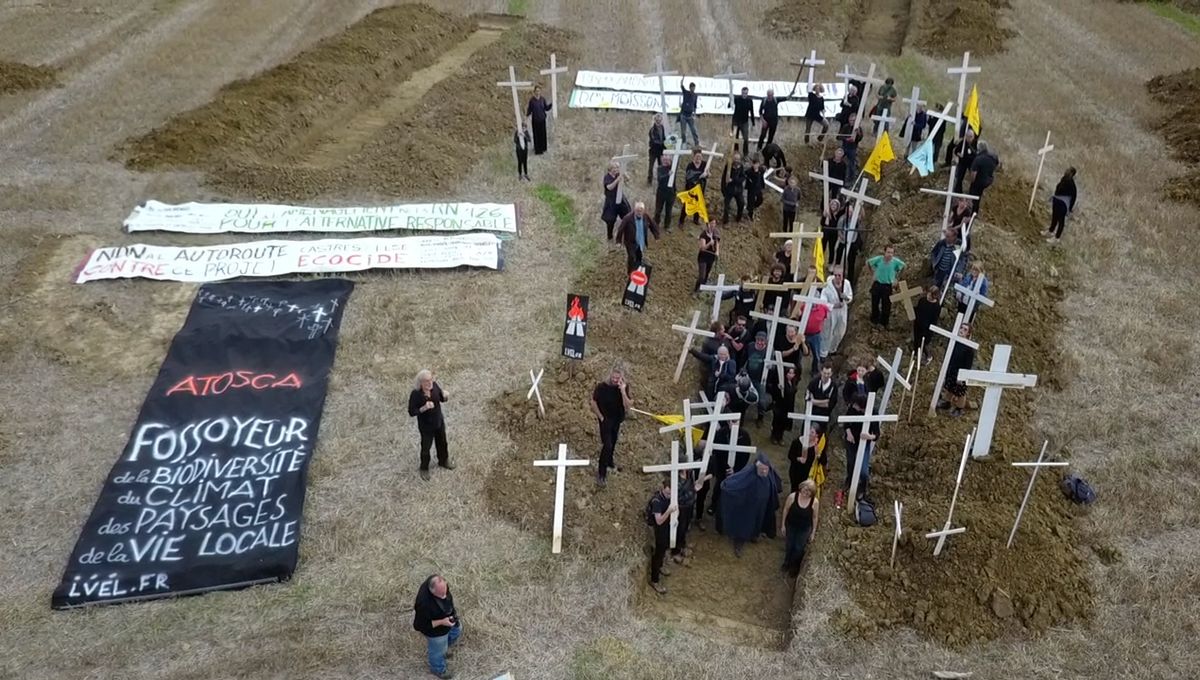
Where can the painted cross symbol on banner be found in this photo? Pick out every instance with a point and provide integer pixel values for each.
(318, 314)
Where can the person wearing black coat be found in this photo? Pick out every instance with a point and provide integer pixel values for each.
(434, 617)
(815, 113)
(521, 142)
(802, 455)
(768, 110)
(425, 404)
(743, 118)
(733, 187)
(694, 173)
(755, 183)
(927, 311)
(536, 111)
(1062, 203)
(657, 144)
(783, 401)
(962, 358)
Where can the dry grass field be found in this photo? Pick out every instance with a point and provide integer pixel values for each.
(92, 92)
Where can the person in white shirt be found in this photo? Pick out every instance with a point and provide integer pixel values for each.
(839, 294)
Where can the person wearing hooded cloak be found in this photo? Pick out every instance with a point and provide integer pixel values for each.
(749, 503)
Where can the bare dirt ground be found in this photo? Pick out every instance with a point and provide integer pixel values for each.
(77, 361)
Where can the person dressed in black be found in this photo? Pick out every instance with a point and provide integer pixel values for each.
(823, 393)
(521, 142)
(927, 311)
(855, 434)
(658, 144)
(849, 104)
(613, 210)
(800, 519)
(776, 278)
(721, 369)
(801, 456)
(435, 618)
(773, 156)
(536, 111)
(718, 470)
(833, 220)
(749, 503)
(708, 250)
(783, 401)
(745, 300)
(425, 404)
(837, 168)
(851, 135)
(768, 111)
(1062, 203)
(954, 393)
(733, 186)
(743, 118)
(658, 516)
(687, 112)
(664, 194)
(689, 485)
(965, 149)
(755, 183)
(695, 173)
(983, 172)
(610, 401)
(815, 113)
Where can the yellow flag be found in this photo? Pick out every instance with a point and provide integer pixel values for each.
(972, 110)
(882, 153)
(693, 202)
(673, 419)
(819, 258)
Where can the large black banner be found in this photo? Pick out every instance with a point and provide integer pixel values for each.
(637, 288)
(575, 326)
(209, 490)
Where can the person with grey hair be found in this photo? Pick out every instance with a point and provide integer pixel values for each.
(983, 172)
(610, 401)
(434, 617)
(425, 404)
(634, 233)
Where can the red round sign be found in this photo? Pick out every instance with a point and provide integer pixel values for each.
(638, 277)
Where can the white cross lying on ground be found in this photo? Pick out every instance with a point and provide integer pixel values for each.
(560, 483)
(995, 380)
(1037, 467)
(947, 530)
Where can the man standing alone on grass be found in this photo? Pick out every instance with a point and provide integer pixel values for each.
(658, 516)
(425, 404)
(885, 268)
(610, 401)
(658, 144)
(435, 618)
(743, 118)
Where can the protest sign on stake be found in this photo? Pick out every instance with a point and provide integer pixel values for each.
(1037, 467)
(560, 484)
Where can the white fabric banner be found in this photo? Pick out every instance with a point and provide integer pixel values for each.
(626, 91)
(202, 264)
(705, 104)
(221, 218)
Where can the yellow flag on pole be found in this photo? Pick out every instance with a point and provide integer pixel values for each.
(819, 258)
(693, 202)
(972, 110)
(672, 419)
(882, 153)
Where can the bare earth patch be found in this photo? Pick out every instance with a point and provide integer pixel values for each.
(951, 27)
(15, 77)
(1180, 127)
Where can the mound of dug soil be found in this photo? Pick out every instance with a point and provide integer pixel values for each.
(1180, 127)
(15, 77)
(950, 27)
(804, 19)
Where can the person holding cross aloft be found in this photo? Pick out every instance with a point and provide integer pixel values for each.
(658, 516)
(823, 393)
(658, 144)
(613, 210)
(610, 401)
(743, 119)
(768, 112)
(733, 186)
(885, 267)
(425, 404)
(695, 173)
(815, 113)
(634, 233)
(689, 486)
(687, 112)
(536, 111)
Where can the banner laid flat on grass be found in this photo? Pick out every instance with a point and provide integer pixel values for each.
(209, 491)
(200, 264)
(223, 218)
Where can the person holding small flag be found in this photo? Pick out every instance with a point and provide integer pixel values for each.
(695, 175)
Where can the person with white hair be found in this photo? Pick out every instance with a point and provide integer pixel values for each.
(633, 233)
(425, 404)
(613, 210)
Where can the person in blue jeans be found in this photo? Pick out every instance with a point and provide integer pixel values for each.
(435, 618)
(687, 112)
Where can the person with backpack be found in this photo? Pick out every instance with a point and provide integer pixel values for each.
(800, 520)
(658, 517)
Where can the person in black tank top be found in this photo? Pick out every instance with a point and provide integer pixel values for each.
(800, 518)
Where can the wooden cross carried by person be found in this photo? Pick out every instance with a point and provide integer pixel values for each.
(732, 448)
(774, 319)
(560, 483)
(852, 228)
(893, 376)
(962, 72)
(729, 75)
(910, 115)
(867, 80)
(1047, 147)
(678, 150)
(974, 296)
(952, 338)
(1037, 467)
(994, 380)
(811, 63)
(905, 297)
(553, 72)
(825, 181)
(797, 236)
(692, 331)
(514, 84)
(808, 419)
(947, 529)
(847, 75)
(884, 122)
(959, 249)
(950, 195)
(661, 73)
(674, 468)
(942, 117)
(718, 292)
(621, 160)
(535, 391)
(913, 362)
(866, 419)
(897, 507)
(715, 418)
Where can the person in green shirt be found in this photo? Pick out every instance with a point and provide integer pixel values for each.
(885, 267)
(883, 107)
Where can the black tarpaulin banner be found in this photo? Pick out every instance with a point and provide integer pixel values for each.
(575, 326)
(209, 491)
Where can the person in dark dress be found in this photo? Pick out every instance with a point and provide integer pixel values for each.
(773, 157)
(708, 250)
(689, 485)
(743, 118)
(659, 517)
(657, 144)
(768, 111)
(755, 183)
(434, 617)
(536, 111)
(800, 519)
(749, 503)
(1062, 203)
(927, 311)
(425, 404)
(733, 186)
(718, 470)
(954, 392)
(610, 401)
(965, 149)
(822, 391)
(613, 211)
(783, 401)
(815, 113)
(833, 220)
(801, 456)
(521, 147)
(694, 173)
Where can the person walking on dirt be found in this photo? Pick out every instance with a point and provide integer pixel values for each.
(658, 516)
(885, 268)
(425, 404)
(983, 172)
(755, 183)
(689, 485)
(687, 112)
(1062, 203)
(434, 617)
(664, 194)
(838, 293)
(733, 186)
(709, 249)
(800, 519)
(610, 402)
(536, 111)
(695, 173)
(634, 233)
(743, 119)
(815, 113)
(613, 210)
(768, 112)
(658, 144)
(521, 142)
(927, 311)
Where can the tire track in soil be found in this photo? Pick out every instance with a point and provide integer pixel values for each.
(880, 27)
(350, 137)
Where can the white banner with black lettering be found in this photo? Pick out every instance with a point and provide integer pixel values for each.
(632, 92)
(200, 264)
(222, 218)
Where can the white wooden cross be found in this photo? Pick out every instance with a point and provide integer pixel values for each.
(905, 297)
(913, 102)
(1037, 467)
(808, 418)
(674, 468)
(859, 197)
(913, 361)
(942, 117)
(898, 507)
(711, 154)
(811, 62)
(534, 390)
(867, 418)
(774, 319)
(560, 484)
(959, 249)
(893, 376)
(661, 73)
(847, 75)
(718, 291)
(888, 120)
(714, 419)
(1047, 147)
(952, 338)
(994, 380)
(867, 80)
(553, 72)
(679, 150)
(946, 529)
(621, 160)
(950, 195)
(514, 84)
(732, 448)
(779, 364)
(962, 72)
(808, 301)
(825, 181)
(730, 75)
(691, 331)
(797, 236)
(974, 296)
